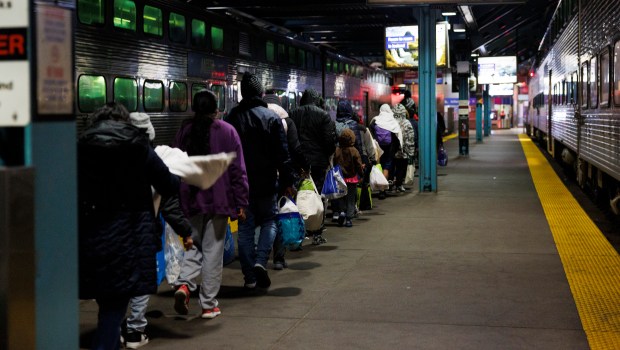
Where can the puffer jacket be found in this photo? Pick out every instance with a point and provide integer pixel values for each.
(117, 240)
(347, 156)
(316, 130)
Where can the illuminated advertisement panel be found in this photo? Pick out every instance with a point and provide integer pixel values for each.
(501, 89)
(402, 43)
(497, 70)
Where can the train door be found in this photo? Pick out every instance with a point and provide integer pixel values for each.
(365, 111)
(551, 100)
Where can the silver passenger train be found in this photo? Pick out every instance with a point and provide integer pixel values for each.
(153, 55)
(575, 94)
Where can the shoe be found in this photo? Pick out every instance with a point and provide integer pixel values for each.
(401, 188)
(122, 341)
(279, 265)
(341, 219)
(181, 300)
(262, 277)
(335, 217)
(211, 313)
(318, 239)
(250, 286)
(136, 340)
(348, 223)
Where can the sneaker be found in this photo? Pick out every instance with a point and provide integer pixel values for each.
(335, 217)
(348, 223)
(136, 340)
(341, 219)
(279, 265)
(401, 188)
(211, 313)
(181, 300)
(262, 277)
(318, 239)
(250, 286)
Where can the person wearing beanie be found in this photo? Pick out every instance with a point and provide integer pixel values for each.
(270, 172)
(317, 136)
(143, 121)
(209, 210)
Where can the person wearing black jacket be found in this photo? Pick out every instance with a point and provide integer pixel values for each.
(317, 135)
(269, 170)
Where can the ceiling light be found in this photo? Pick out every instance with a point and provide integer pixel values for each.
(458, 28)
(448, 13)
(473, 54)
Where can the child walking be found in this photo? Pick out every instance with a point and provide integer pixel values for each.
(350, 161)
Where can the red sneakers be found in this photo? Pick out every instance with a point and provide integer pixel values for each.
(211, 313)
(181, 300)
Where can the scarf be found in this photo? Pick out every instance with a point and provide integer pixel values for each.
(385, 120)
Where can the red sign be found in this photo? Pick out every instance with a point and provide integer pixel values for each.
(13, 44)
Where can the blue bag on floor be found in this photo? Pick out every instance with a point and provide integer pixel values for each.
(229, 247)
(290, 223)
(442, 157)
(160, 256)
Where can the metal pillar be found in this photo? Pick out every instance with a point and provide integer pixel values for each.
(478, 122)
(428, 109)
(487, 111)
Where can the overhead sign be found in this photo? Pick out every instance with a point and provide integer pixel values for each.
(402, 46)
(14, 65)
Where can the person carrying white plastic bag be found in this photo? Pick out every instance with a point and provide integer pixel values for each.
(378, 182)
(310, 204)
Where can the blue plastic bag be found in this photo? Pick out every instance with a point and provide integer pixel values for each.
(160, 256)
(290, 224)
(229, 247)
(442, 157)
(334, 185)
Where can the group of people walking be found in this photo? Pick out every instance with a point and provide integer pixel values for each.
(119, 171)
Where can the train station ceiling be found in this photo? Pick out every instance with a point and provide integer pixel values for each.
(355, 28)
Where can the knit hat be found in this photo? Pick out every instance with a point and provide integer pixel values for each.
(251, 86)
(273, 99)
(205, 102)
(310, 97)
(143, 121)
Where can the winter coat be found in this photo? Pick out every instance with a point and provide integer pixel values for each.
(265, 147)
(408, 147)
(230, 191)
(344, 118)
(117, 230)
(347, 155)
(317, 132)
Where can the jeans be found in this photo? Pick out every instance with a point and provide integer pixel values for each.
(261, 212)
(136, 321)
(346, 204)
(109, 319)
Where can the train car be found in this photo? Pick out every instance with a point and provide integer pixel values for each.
(153, 55)
(575, 94)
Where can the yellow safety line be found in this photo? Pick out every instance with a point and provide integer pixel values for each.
(591, 264)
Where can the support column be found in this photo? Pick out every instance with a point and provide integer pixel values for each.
(487, 111)
(428, 109)
(478, 122)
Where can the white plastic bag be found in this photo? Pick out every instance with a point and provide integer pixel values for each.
(173, 252)
(410, 177)
(378, 182)
(310, 205)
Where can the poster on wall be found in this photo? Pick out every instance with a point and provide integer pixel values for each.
(402, 46)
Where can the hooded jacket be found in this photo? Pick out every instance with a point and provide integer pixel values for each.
(408, 147)
(344, 117)
(347, 155)
(117, 240)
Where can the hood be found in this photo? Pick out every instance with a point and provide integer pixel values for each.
(279, 110)
(310, 97)
(400, 112)
(346, 138)
(344, 110)
(111, 133)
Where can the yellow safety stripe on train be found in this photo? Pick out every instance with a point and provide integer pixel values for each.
(591, 264)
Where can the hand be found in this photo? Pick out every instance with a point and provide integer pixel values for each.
(290, 192)
(188, 242)
(241, 214)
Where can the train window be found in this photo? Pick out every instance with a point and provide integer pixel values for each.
(153, 22)
(125, 14)
(281, 53)
(604, 78)
(217, 38)
(153, 95)
(126, 93)
(176, 28)
(270, 51)
(317, 61)
(91, 12)
(585, 79)
(301, 58)
(574, 89)
(91, 93)
(178, 96)
(593, 83)
(292, 101)
(328, 65)
(291, 55)
(199, 33)
(616, 73)
(196, 88)
(220, 92)
(563, 93)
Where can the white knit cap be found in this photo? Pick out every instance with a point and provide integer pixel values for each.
(142, 120)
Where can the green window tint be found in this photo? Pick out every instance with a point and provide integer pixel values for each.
(153, 22)
(217, 38)
(178, 96)
(91, 11)
(199, 33)
(196, 88)
(125, 14)
(126, 93)
(281, 53)
(301, 58)
(328, 66)
(270, 51)
(91, 93)
(176, 26)
(291, 55)
(153, 95)
(219, 91)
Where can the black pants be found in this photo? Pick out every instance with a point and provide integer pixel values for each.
(400, 170)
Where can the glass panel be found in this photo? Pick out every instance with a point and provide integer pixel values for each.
(153, 22)
(328, 66)
(199, 33)
(91, 93)
(221, 96)
(91, 11)
(125, 14)
(176, 27)
(153, 95)
(281, 53)
(593, 83)
(178, 96)
(584, 85)
(604, 76)
(617, 73)
(270, 51)
(575, 89)
(217, 38)
(291, 55)
(196, 88)
(126, 93)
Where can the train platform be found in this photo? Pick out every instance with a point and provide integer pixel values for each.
(501, 257)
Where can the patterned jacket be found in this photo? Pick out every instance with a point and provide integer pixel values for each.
(408, 148)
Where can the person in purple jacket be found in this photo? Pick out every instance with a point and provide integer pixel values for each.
(209, 209)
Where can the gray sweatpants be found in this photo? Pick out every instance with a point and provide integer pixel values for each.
(205, 259)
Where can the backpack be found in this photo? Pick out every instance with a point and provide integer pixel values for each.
(339, 127)
(384, 137)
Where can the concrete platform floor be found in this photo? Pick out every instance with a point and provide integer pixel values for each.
(473, 266)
